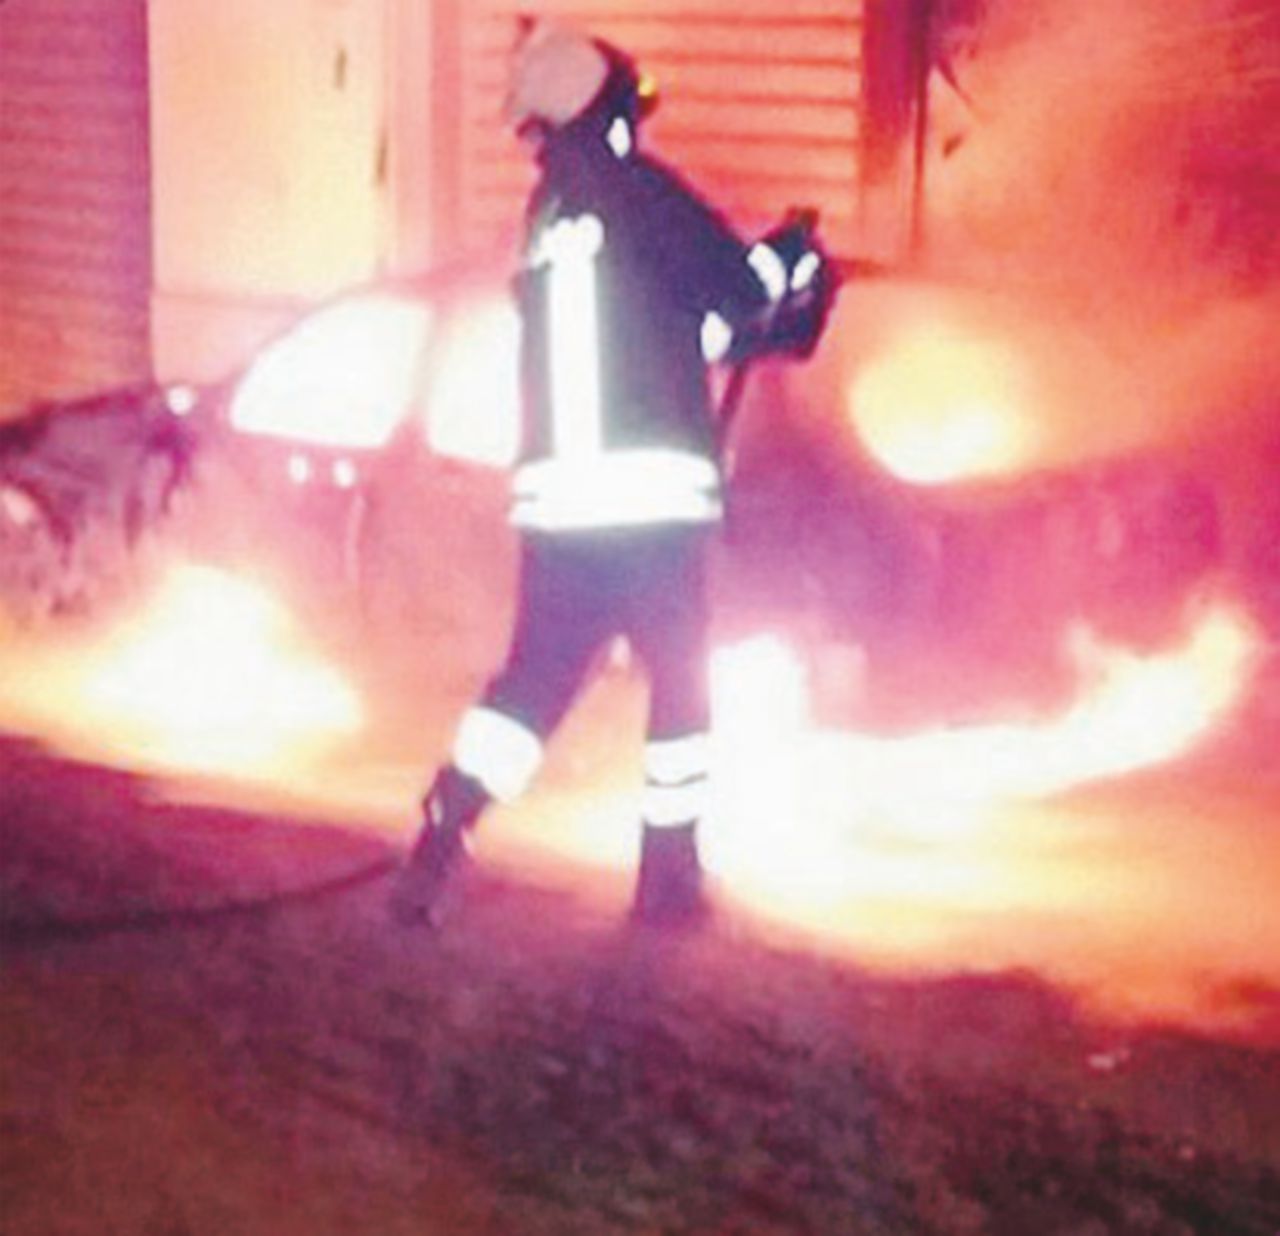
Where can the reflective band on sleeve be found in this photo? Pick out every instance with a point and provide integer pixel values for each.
(666, 806)
(498, 751)
(770, 269)
(616, 489)
(619, 137)
(804, 271)
(716, 337)
(671, 761)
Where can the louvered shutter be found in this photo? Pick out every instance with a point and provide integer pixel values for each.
(74, 197)
(760, 105)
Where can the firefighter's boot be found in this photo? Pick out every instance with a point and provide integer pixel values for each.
(669, 889)
(427, 883)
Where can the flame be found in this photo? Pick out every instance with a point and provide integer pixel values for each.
(210, 677)
(926, 848)
(343, 377)
(793, 798)
(945, 404)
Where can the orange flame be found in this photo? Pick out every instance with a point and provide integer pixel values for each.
(793, 798)
(210, 677)
(945, 404)
(925, 848)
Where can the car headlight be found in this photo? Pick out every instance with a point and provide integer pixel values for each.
(181, 399)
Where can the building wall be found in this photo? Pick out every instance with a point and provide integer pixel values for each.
(271, 150)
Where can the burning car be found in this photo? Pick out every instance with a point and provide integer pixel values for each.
(370, 435)
(82, 485)
(333, 431)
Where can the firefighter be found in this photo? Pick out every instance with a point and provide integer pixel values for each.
(630, 286)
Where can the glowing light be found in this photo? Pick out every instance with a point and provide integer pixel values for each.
(944, 405)
(210, 677)
(344, 376)
(759, 692)
(299, 469)
(18, 506)
(792, 799)
(473, 411)
(758, 818)
(344, 474)
(181, 400)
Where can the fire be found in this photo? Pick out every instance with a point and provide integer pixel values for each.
(793, 798)
(945, 404)
(210, 677)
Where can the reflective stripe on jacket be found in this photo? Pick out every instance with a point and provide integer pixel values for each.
(624, 266)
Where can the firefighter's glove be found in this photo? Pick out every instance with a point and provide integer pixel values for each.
(801, 282)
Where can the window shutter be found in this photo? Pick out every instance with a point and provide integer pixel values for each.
(74, 197)
(759, 108)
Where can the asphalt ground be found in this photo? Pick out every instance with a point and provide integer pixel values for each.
(209, 1026)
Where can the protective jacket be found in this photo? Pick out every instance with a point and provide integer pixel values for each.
(630, 283)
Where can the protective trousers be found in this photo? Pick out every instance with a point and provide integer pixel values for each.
(578, 590)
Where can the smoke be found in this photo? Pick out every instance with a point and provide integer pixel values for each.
(1114, 165)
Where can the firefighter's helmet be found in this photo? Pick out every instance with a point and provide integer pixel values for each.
(558, 73)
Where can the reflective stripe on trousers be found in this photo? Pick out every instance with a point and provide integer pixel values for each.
(677, 780)
(500, 752)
